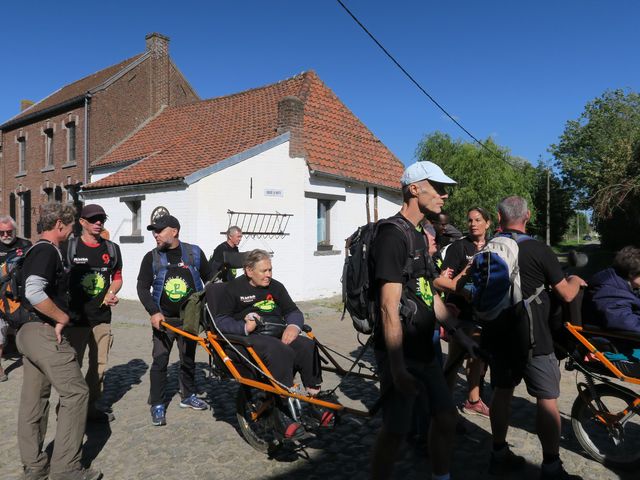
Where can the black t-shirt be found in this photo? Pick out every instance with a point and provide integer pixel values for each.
(390, 254)
(91, 275)
(538, 266)
(18, 248)
(241, 298)
(218, 265)
(457, 257)
(178, 282)
(45, 261)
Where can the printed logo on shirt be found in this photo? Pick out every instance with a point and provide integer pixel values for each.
(176, 289)
(93, 283)
(247, 299)
(80, 260)
(424, 291)
(105, 258)
(267, 305)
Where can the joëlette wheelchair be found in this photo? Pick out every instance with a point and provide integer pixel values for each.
(261, 399)
(605, 416)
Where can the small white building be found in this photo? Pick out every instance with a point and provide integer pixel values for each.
(288, 162)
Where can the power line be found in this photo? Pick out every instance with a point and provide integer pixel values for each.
(415, 82)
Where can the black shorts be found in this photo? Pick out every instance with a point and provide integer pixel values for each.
(397, 409)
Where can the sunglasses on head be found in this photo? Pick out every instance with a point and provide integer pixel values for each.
(8, 233)
(96, 218)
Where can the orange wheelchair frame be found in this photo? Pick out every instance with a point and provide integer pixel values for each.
(252, 411)
(605, 416)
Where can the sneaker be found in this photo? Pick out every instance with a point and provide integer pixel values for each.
(556, 471)
(292, 430)
(478, 408)
(193, 402)
(81, 474)
(3, 376)
(158, 415)
(99, 416)
(325, 417)
(505, 461)
(35, 473)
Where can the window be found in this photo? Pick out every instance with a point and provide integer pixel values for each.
(12, 205)
(22, 154)
(323, 222)
(24, 224)
(57, 194)
(134, 203)
(71, 142)
(48, 147)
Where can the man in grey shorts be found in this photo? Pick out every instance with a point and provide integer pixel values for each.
(515, 357)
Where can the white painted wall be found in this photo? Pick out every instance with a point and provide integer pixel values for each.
(202, 211)
(322, 272)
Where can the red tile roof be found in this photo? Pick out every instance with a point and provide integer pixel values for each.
(182, 140)
(77, 88)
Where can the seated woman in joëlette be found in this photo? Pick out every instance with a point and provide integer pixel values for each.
(258, 306)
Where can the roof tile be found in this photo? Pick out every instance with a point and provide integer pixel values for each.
(182, 140)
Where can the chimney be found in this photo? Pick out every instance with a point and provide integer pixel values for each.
(158, 46)
(290, 119)
(24, 104)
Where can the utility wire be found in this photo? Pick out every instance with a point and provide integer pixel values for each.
(415, 82)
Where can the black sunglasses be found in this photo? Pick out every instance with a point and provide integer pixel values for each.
(96, 218)
(440, 188)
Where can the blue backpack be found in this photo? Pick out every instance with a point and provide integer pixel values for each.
(495, 275)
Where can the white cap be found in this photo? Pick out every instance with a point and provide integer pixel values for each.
(424, 171)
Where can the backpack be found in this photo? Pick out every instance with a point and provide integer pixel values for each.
(190, 258)
(496, 288)
(14, 308)
(359, 289)
(72, 247)
(192, 312)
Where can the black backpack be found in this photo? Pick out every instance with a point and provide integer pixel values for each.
(359, 289)
(14, 308)
(72, 248)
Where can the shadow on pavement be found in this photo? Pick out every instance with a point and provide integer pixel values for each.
(118, 380)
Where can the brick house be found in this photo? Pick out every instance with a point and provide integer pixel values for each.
(48, 147)
(288, 162)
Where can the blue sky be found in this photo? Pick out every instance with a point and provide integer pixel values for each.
(516, 71)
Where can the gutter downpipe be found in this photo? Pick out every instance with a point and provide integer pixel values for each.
(87, 97)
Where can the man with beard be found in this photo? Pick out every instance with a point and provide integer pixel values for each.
(169, 274)
(11, 247)
(49, 360)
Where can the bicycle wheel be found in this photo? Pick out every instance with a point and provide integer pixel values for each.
(255, 414)
(609, 442)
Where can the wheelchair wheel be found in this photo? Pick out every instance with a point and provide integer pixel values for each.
(256, 413)
(612, 441)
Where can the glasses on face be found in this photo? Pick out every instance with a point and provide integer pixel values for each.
(6, 233)
(155, 233)
(440, 188)
(97, 218)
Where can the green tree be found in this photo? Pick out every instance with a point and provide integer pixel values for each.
(560, 209)
(483, 179)
(599, 156)
(578, 227)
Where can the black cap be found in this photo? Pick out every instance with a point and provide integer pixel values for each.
(163, 222)
(92, 210)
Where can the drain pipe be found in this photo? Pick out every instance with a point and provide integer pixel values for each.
(87, 97)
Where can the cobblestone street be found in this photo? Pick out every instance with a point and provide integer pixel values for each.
(207, 445)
